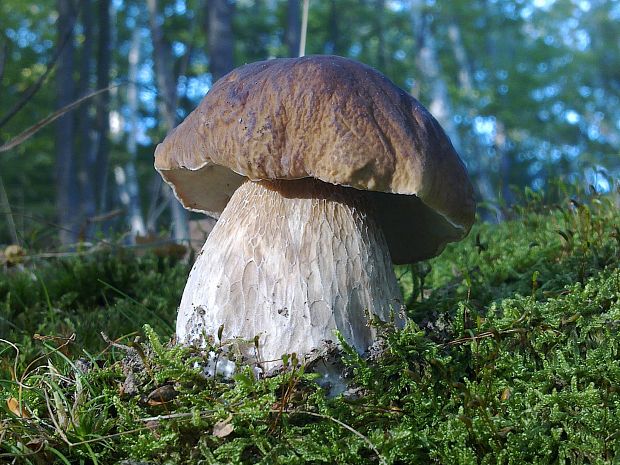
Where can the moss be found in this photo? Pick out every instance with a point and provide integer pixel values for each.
(511, 356)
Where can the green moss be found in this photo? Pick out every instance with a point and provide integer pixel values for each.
(511, 356)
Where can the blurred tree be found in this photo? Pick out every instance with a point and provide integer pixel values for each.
(166, 84)
(253, 29)
(98, 162)
(126, 176)
(221, 39)
(66, 180)
(430, 72)
(293, 26)
(86, 137)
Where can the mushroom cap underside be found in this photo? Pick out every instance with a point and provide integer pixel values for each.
(332, 119)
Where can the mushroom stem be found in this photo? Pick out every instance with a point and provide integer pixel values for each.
(291, 262)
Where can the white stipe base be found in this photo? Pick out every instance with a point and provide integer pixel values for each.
(290, 262)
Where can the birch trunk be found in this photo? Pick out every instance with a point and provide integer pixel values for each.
(497, 46)
(460, 55)
(166, 84)
(126, 177)
(429, 67)
(483, 181)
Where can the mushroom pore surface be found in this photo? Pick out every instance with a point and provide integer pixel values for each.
(291, 262)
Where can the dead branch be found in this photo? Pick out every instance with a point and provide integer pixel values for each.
(27, 94)
(32, 130)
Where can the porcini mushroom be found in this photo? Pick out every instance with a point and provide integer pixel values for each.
(323, 174)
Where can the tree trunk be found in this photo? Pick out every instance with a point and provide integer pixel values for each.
(100, 162)
(293, 27)
(428, 65)
(4, 52)
(221, 40)
(66, 179)
(505, 162)
(166, 84)
(126, 177)
(164, 67)
(481, 168)
(497, 46)
(460, 55)
(441, 107)
(88, 203)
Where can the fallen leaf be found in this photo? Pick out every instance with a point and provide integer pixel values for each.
(13, 405)
(153, 425)
(162, 395)
(36, 444)
(223, 427)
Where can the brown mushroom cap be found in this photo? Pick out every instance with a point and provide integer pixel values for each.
(332, 119)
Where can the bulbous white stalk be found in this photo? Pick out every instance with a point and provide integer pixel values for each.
(291, 262)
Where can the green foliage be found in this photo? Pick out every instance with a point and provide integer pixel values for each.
(510, 357)
(533, 86)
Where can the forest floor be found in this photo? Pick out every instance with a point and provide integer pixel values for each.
(511, 355)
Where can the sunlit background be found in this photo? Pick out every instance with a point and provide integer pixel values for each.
(527, 90)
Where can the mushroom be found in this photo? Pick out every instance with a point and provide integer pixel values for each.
(323, 173)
